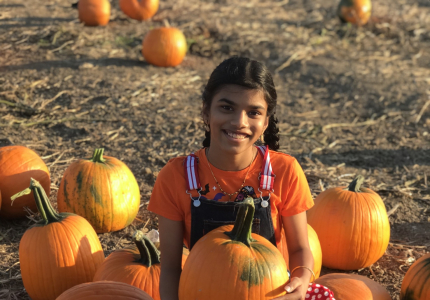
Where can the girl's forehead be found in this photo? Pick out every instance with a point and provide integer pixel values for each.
(236, 92)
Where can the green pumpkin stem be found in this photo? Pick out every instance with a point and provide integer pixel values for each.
(355, 185)
(242, 229)
(98, 155)
(43, 204)
(149, 254)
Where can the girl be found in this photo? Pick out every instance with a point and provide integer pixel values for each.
(195, 194)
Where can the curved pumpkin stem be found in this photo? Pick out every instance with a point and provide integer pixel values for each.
(355, 185)
(98, 155)
(242, 229)
(149, 254)
(43, 204)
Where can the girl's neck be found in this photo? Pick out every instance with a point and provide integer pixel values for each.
(230, 162)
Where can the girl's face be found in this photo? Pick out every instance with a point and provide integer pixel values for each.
(237, 118)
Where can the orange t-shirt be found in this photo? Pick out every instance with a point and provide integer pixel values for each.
(291, 190)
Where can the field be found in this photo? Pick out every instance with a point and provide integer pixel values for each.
(350, 101)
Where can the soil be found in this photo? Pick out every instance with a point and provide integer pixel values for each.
(351, 100)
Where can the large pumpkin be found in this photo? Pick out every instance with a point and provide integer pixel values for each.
(103, 190)
(416, 283)
(104, 290)
(138, 266)
(231, 263)
(164, 47)
(94, 12)
(17, 165)
(139, 9)
(315, 246)
(59, 252)
(352, 226)
(353, 287)
(355, 11)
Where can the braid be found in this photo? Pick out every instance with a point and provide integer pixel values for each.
(207, 140)
(271, 135)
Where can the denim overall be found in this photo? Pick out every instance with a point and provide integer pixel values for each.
(207, 215)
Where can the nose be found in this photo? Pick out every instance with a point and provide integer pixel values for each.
(240, 120)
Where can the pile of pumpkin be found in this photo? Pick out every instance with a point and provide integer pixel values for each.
(61, 256)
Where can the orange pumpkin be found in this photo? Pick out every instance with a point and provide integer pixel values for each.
(245, 266)
(315, 246)
(17, 165)
(59, 252)
(164, 47)
(416, 283)
(355, 11)
(139, 9)
(103, 190)
(138, 265)
(353, 287)
(352, 226)
(106, 290)
(94, 12)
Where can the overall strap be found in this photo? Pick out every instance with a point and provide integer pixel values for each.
(192, 172)
(267, 177)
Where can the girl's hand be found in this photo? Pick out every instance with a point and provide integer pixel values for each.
(296, 290)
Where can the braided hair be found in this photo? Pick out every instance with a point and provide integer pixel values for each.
(249, 74)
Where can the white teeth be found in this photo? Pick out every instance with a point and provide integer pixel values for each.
(236, 136)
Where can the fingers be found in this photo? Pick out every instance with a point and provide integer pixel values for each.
(293, 285)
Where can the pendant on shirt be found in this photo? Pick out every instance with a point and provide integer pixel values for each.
(196, 203)
(264, 203)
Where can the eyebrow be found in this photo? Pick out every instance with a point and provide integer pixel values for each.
(232, 103)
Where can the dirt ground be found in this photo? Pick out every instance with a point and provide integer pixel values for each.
(351, 101)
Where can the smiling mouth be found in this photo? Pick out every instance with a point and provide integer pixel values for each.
(235, 135)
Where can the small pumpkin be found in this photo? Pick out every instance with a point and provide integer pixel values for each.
(245, 266)
(352, 226)
(138, 265)
(355, 11)
(315, 246)
(94, 12)
(164, 47)
(353, 287)
(139, 9)
(106, 290)
(416, 283)
(103, 190)
(17, 165)
(57, 253)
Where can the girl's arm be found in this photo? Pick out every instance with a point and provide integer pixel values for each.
(296, 232)
(171, 243)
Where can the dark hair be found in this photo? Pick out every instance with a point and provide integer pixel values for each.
(249, 74)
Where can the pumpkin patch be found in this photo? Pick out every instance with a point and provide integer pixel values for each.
(18, 164)
(103, 190)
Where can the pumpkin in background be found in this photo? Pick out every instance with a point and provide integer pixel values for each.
(164, 47)
(231, 263)
(416, 283)
(94, 12)
(352, 226)
(353, 287)
(315, 246)
(17, 165)
(103, 190)
(106, 290)
(139, 9)
(57, 253)
(138, 265)
(355, 11)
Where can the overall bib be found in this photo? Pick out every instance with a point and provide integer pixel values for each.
(207, 215)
